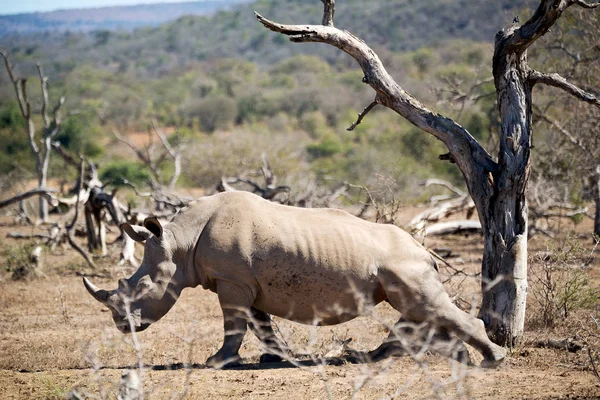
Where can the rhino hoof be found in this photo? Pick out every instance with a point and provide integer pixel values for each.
(463, 357)
(493, 362)
(269, 358)
(218, 363)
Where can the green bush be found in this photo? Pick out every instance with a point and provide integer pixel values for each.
(302, 63)
(327, 147)
(117, 170)
(216, 112)
(14, 143)
(80, 136)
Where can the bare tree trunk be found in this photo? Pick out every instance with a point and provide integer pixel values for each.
(596, 194)
(42, 183)
(91, 231)
(504, 267)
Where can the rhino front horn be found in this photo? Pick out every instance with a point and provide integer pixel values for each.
(99, 294)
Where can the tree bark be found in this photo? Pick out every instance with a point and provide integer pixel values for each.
(596, 193)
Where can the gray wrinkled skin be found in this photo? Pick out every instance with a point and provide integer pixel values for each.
(314, 266)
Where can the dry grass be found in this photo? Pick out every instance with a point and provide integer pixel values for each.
(55, 338)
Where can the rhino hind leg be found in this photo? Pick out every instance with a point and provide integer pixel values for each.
(260, 324)
(424, 299)
(392, 346)
(235, 302)
(410, 338)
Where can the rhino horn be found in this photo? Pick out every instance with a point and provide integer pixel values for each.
(99, 294)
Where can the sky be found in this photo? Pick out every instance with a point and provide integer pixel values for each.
(28, 6)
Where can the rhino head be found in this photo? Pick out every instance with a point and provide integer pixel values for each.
(152, 290)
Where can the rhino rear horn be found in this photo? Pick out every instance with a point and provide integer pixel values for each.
(99, 294)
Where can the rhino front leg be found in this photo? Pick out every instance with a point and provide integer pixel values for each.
(235, 302)
(260, 324)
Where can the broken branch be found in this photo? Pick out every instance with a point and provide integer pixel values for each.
(33, 192)
(362, 115)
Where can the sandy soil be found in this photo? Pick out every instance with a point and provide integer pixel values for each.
(55, 338)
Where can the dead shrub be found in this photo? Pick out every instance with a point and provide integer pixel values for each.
(22, 262)
(559, 283)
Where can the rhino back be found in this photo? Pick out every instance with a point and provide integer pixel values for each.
(298, 260)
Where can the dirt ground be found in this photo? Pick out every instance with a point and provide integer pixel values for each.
(55, 338)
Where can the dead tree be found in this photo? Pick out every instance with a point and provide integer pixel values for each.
(42, 192)
(154, 161)
(497, 185)
(98, 205)
(443, 206)
(162, 189)
(50, 130)
(571, 150)
(268, 191)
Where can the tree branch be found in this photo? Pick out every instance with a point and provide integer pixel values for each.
(328, 11)
(44, 87)
(362, 115)
(571, 137)
(33, 192)
(471, 157)
(67, 157)
(518, 38)
(133, 147)
(584, 4)
(145, 158)
(559, 82)
(446, 184)
(19, 86)
(175, 154)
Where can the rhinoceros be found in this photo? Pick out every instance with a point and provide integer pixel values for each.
(313, 266)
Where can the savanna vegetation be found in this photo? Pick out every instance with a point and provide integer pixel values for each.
(201, 103)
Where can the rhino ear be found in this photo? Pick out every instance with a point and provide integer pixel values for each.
(152, 224)
(137, 233)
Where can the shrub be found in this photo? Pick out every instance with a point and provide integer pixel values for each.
(327, 147)
(119, 170)
(216, 112)
(559, 283)
(79, 135)
(19, 261)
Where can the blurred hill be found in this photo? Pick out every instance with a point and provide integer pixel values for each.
(397, 25)
(118, 17)
(235, 90)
